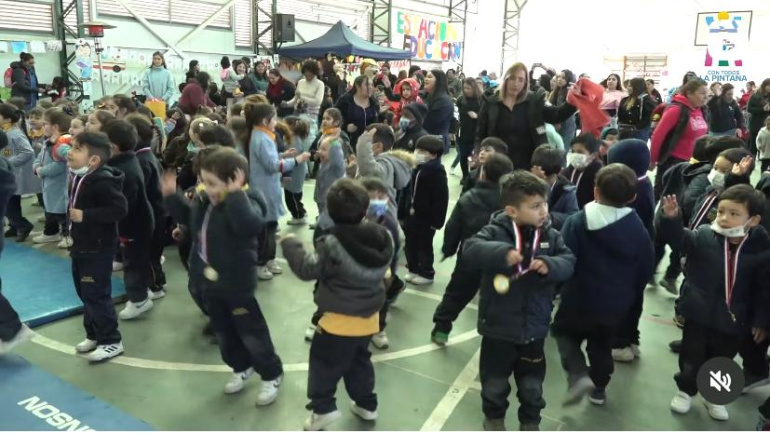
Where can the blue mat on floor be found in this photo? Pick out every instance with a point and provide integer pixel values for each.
(32, 399)
(39, 285)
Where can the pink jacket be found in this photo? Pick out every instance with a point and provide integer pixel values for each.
(696, 128)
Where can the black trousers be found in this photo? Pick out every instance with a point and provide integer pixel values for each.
(699, 344)
(9, 319)
(419, 247)
(754, 356)
(55, 223)
(136, 268)
(462, 287)
(294, 204)
(242, 333)
(198, 294)
(500, 359)
(391, 293)
(628, 329)
(332, 358)
(267, 243)
(674, 259)
(598, 338)
(92, 277)
(157, 276)
(15, 218)
(465, 150)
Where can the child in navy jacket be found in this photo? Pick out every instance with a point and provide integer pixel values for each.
(583, 164)
(562, 200)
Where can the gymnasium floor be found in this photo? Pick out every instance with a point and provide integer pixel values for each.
(172, 378)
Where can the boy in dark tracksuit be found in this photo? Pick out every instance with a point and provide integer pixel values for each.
(96, 205)
(136, 228)
(583, 163)
(350, 263)
(224, 222)
(522, 260)
(720, 312)
(410, 127)
(488, 146)
(562, 200)
(470, 214)
(424, 209)
(614, 262)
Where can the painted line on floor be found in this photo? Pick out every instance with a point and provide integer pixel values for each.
(454, 394)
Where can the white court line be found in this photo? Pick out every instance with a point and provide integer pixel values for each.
(457, 390)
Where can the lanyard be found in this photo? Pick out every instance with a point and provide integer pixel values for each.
(204, 234)
(572, 177)
(143, 150)
(731, 271)
(75, 190)
(520, 248)
(703, 210)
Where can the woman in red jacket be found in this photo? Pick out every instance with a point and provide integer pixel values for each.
(194, 94)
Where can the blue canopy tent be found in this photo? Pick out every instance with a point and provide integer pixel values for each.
(340, 40)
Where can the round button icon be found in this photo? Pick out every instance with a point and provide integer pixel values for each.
(720, 381)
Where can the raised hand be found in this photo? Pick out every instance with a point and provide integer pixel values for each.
(168, 183)
(670, 206)
(743, 167)
(237, 181)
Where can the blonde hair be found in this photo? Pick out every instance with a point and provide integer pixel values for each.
(510, 73)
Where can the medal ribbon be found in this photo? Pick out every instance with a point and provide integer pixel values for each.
(204, 234)
(74, 192)
(703, 210)
(572, 177)
(520, 249)
(731, 270)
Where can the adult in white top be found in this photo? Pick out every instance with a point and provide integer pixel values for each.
(613, 93)
(310, 90)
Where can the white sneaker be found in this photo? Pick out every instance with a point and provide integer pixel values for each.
(264, 274)
(238, 381)
(160, 294)
(268, 392)
(409, 277)
(635, 350)
(85, 346)
(66, 242)
(318, 422)
(578, 390)
(134, 310)
(717, 411)
(25, 334)
(117, 266)
(623, 355)
(46, 239)
(273, 267)
(681, 403)
(421, 281)
(297, 222)
(162, 259)
(310, 333)
(41, 218)
(380, 340)
(366, 415)
(104, 352)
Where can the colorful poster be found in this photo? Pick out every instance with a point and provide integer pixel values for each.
(725, 35)
(428, 39)
(18, 47)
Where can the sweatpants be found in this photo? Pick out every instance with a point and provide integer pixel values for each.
(674, 259)
(754, 356)
(500, 359)
(136, 268)
(699, 344)
(332, 358)
(92, 276)
(267, 243)
(419, 247)
(396, 287)
(55, 223)
(465, 149)
(294, 204)
(628, 329)
(9, 319)
(242, 333)
(158, 243)
(15, 218)
(598, 338)
(462, 288)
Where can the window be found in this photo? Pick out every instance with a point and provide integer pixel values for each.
(27, 16)
(168, 11)
(242, 27)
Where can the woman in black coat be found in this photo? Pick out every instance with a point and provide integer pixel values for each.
(635, 111)
(440, 106)
(280, 90)
(468, 105)
(725, 114)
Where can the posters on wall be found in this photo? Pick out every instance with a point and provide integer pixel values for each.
(429, 39)
(726, 38)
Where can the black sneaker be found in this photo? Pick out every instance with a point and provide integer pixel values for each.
(23, 235)
(675, 346)
(11, 233)
(598, 396)
(497, 424)
(529, 427)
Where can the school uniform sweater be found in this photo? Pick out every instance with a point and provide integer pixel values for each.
(99, 195)
(562, 202)
(139, 222)
(428, 197)
(329, 172)
(583, 181)
(53, 176)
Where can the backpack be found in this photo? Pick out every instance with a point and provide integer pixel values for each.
(7, 78)
(673, 136)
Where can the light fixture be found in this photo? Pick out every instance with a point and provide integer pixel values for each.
(96, 30)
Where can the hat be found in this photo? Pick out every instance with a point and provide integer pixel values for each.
(632, 153)
(418, 111)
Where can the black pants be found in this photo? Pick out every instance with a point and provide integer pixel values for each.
(332, 358)
(55, 223)
(628, 329)
(9, 319)
(699, 344)
(598, 338)
(754, 356)
(462, 287)
(15, 218)
(765, 164)
(465, 150)
(419, 247)
(157, 276)
(242, 333)
(92, 277)
(391, 293)
(294, 204)
(500, 358)
(662, 168)
(267, 243)
(136, 268)
(674, 259)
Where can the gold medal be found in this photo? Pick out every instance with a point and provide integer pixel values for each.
(388, 274)
(411, 211)
(210, 273)
(501, 283)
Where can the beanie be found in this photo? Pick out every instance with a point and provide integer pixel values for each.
(419, 111)
(632, 153)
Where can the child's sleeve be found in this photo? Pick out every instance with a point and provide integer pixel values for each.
(367, 165)
(485, 253)
(242, 216)
(762, 140)
(170, 125)
(111, 206)
(38, 160)
(304, 264)
(561, 264)
(570, 236)
(440, 200)
(453, 230)
(673, 233)
(23, 153)
(272, 163)
(337, 159)
(179, 208)
(646, 263)
(53, 169)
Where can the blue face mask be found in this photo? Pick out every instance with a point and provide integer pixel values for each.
(378, 208)
(404, 124)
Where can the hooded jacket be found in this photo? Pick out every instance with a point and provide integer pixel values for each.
(704, 206)
(634, 154)
(583, 181)
(562, 202)
(151, 170)
(523, 314)
(694, 183)
(471, 213)
(139, 222)
(398, 102)
(408, 141)
(100, 197)
(615, 260)
(24, 83)
(724, 115)
(394, 168)
(157, 82)
(350, 263)
(696, 128)
(427, 199)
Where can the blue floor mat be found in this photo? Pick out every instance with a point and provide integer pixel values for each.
(32, 399)
(39, 285)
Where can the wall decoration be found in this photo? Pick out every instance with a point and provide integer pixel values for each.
(725, 36)
(53, 46)
(18, 47)
(428, 39)
(37, 47)
(83, 59)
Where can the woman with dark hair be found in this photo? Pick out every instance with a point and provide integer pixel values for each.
(24, 79)
(157, 82)
(194, 95)
(653, 92)
(759, 108)
(215, 95)
(440, 106)
(725, 114)
(558, 96)
(231, 80)
(469, 105)
(635, 112)
(280, 90)
(192, 71)
(258, 77)
(613, 93)
(310, 90)
(687, 77)
(359, 108)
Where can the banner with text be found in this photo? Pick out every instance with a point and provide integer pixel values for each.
(429, 39)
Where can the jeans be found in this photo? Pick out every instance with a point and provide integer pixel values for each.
(598, 339)
(699, 344)
(15, 218)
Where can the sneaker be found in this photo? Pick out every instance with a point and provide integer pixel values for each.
(366, 415)
(380, 340)
(623, 355)
(717, 411)
(24, 234)
(578, 390)
(104, 352)
(273, 267)
(598, 396)
(439, 338)
(45, 239)
(421, 281)
(675, 346)
(238, 381)
(264, 274)
(11, 233)
(681, 403)
(529, 427)
(85, 346)
(318, 422)
(310, 333)
(397, 287)
(41, 218)
(635, 350)
(670, 285)
(268, 391)
(754, 382)
(25, 334)
(497, 424)
(409, 277)
(297, 222)
(66, 242)
(134, 310)
(160, 294)
(117, 266)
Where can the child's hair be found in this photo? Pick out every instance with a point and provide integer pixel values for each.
(549, 159)
(12, 113)
(432, 144)
(700, 149)
(18, 101)
(617, 185)
(37, 111)
(223, 163)
(55, 116)
(83, 119)
(746, 195)
(101, 103)
(143, 127)
(69, 107)
(387, 117)
(44, 105)
(283, 130)
(122, 134)
(97, 145)
(719, 145)
(180, 128)
(255, 114)
(125, 103)
(335, 114)
(374, 184)
(588, 140)
(609, 131)
(299, 127)
(199, 124)
(237, 125)
(146, 112)
(495, 143)
(256, 99)
(197, 160)
(104, 117)
(235, 110)
(203, 111)
(736, 155)
(347, 201)
(496, 166)
(383, 134)
(217, 134)
(517, 186)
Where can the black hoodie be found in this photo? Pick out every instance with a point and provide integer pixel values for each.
(101, 199)
(151, 170)
(139, 222)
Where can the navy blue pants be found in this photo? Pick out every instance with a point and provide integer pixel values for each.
(93, 283)
(9, 319)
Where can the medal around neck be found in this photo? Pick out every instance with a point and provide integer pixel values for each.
(210, 273)
(502, 284)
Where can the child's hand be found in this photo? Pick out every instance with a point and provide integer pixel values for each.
(352, 159)
(473, 115)
(175, 115)
(168, 184)
(670, 206)
(76, 215)
(291, 153)
(303, 157)
(539, 266)
(353, 128)
(759, 334)
(513, 258)
(176, 234)
(37, 171)
(743, 167)
(237, 181)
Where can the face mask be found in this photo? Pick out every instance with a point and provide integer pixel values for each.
(732, 232)
(378, 208)
(420, 158)
(716, 179)
(403, 124)
(577, 160)
(82, 171)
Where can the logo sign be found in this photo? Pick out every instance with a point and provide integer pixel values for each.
(720, 381)
(428, 38)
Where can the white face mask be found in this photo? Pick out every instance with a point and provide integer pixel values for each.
(716, 179)
(420, 158)
(577, 160)
(732, 232)
(82, 171)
